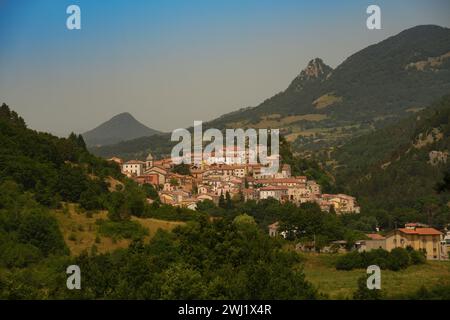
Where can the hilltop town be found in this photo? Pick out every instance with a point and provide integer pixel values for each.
(221, 178)
(216, 178)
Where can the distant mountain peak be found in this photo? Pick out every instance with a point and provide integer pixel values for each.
(123, 115)
(121, 127)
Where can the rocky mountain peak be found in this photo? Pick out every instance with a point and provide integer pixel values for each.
(316, 69)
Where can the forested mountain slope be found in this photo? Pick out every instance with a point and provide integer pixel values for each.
(398, 168)
(53, 169)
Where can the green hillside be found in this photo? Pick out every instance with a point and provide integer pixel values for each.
(398, 168)
(37, 172)
(53, 169)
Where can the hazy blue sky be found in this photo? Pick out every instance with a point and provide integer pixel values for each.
(172, 62)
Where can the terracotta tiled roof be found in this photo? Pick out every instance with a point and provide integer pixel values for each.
(134, 162)
(230, 167)
(273, 188)
(421, 231)
(280, 180)
(375, 236)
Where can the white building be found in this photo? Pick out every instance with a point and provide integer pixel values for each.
(133, 167)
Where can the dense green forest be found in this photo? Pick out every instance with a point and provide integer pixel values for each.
(390, 171)
(221, 260)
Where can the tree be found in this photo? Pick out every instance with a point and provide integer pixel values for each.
(332, 209)
(205, 205)
(150, 191)
(182, 282)
(117, 209)
(228, 201)
(81, 143)
(244, 219)
(222, 203)
(89, 200)
(183, 169)
(174, 182)
(71, 183)
(444, 185)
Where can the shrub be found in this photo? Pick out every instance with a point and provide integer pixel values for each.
(417, 257)
(18, 255)
(352, 260)
(398, 259)
(41, 230)
(167, 212)
(378, 257)
(395, 260)
(121, 229)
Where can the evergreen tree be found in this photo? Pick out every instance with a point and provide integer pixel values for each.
(222, 203)
(228, 202)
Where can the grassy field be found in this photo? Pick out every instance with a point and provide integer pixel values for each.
(320, 270)
(81, 231)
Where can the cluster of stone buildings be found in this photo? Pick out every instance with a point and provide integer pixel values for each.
(211, 179)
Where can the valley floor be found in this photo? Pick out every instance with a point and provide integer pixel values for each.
(319, 270)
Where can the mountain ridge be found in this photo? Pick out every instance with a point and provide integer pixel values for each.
(374, 87)
(410, 45)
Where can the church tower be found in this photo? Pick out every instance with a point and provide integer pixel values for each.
(149, 161)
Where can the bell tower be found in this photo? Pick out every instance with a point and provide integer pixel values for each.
(149, 161)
